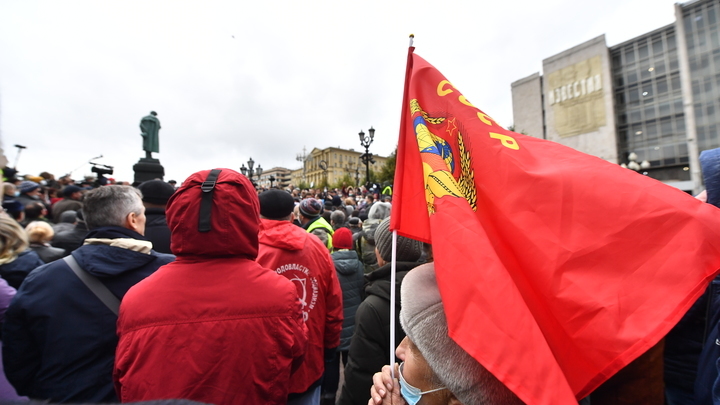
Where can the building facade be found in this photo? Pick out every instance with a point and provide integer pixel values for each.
(332, 165)
(275, 177)
(648, 102)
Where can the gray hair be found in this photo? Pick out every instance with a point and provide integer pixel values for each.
(379, 210)
(337, 218)
(110, 205)
(423, 318)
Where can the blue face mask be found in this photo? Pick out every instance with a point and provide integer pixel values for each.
(17, 194)
(412, 394)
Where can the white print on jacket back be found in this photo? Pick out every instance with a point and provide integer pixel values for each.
(300, 276)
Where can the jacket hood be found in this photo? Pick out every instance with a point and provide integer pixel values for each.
(234, 217)
(378, 282)
(110, 261)
(346, 261)
(282, 234)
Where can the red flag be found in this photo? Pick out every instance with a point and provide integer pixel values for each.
(556, 268)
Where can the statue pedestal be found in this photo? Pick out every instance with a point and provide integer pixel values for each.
(148, 169)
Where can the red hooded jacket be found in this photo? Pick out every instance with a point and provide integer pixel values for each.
(214, 326)
(302, 258)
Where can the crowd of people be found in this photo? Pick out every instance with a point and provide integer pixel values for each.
(201, 318)
(220, 293)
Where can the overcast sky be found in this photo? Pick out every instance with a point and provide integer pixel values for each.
(232, 80)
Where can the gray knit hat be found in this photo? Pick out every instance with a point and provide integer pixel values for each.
(408, 250)
(422, 317)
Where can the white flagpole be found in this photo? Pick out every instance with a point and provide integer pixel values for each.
(392, 304)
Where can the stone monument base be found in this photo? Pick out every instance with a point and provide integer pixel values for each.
(148, 169)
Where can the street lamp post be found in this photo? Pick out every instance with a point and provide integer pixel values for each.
(367, 157)
(634, 165)
(324, 167)
(302, 158)
(248, 171)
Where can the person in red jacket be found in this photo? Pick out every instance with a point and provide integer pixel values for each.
(215, 326)
(303, 259)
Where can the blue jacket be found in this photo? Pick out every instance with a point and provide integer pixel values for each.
(16, 271)
(351, 274)
(59, 339)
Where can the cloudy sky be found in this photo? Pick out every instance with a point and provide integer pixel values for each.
(232, 80)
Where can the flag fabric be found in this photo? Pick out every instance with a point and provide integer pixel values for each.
(556, 268)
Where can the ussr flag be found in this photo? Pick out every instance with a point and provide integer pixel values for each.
(556, 268)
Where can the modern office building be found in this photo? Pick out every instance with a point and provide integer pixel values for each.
(648, 103)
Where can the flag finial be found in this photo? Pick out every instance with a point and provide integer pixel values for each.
(412, 36)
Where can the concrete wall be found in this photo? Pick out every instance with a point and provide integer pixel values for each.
(527, 106)
(578, 99)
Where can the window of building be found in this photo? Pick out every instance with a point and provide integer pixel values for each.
(657, 46)
(671, 45)
(669, 154)
(633, 95)
(666, 127)
(687, 20)
(650, 112)
(651, 129)
(712, 19)
(629, 55)
(622, 119)
(661, 85)
(632, 77)
(643, 51)
(698, 113)
(680, 123)
(664, 109)
(675, 81)
(647, 91)
(679, 107)
(659, 67)
(645, 71)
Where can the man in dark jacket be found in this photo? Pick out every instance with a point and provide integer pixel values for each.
(29, 192)
(156, 194)
(72, 195)
(59, 338)
(370, 345)
(72, 239)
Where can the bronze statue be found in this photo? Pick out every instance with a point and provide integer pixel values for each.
(150, 127)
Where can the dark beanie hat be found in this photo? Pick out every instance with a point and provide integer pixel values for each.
(342, 239)
(408, 250)
(69, 190)
(276, 204)
(710, 164)
(28, 186)
(336, 201)
(156, 191)
(310, 207)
